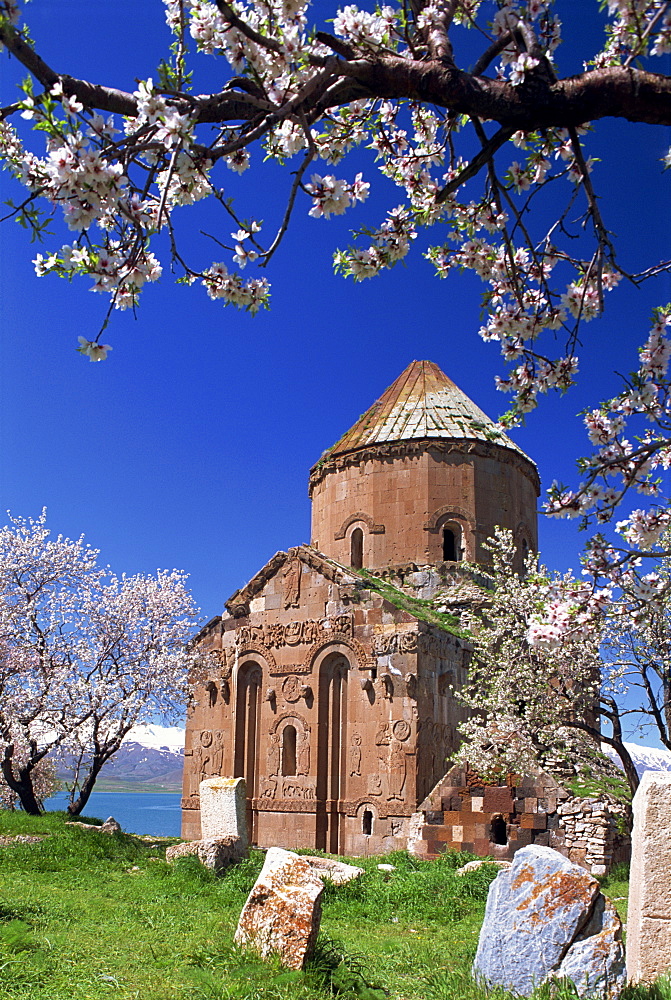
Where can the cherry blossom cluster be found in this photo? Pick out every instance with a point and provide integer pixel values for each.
(531, 704)
(221, 284)
(333, 197)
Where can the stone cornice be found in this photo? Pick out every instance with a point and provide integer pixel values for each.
(405, 449)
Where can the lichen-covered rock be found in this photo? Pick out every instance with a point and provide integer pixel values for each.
(283, 911)
(545, 918)
(596, 961)
(336, 872)
(216, 853)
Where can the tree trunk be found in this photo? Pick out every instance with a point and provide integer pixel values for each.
(22, 785)
(75, 806)
(99, 758)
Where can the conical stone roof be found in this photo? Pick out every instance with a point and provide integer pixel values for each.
(422, 403)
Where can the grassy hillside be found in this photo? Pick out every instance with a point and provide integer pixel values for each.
(86, 916)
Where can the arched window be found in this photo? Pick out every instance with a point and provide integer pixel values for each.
(289, 750)
(367, 823)
(451, 545)
(356, 549)
(499, 832)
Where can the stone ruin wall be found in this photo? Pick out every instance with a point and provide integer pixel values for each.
(498, 820)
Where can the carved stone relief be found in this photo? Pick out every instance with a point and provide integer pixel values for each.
(292, 583)
(395, 642)
(273, 753)
(303, 753)
(355, 756)
(291, 688)
(298, 788)
(294, 633)
(260, 650)
(397, 772)
(401, 729)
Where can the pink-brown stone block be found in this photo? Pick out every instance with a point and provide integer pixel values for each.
(283, 911)
(649, 912)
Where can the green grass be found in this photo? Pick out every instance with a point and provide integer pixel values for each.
(422, 609)
(87, 916)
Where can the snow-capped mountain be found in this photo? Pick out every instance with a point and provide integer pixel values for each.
(645, 758)
(150, 756)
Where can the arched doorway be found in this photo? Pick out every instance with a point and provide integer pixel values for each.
(331, 749)
(247, 713)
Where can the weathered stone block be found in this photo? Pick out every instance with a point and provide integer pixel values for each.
(223, 808)
(546, 918)
(649, 914)
(533, 821)
(498, 800)
(216, 853)
(283, 910)
(334, 871)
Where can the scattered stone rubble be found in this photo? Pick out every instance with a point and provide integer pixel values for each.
(336, 872)
(109, 826)
(546, 918)
(217, 853)
(283, 911)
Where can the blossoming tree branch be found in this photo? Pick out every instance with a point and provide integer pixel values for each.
(491, 154)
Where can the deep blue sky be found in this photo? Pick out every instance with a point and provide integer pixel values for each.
(191, 445)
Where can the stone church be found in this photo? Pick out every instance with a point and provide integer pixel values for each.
(329, 676)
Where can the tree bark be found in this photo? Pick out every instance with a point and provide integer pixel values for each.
(23, 785)
(75, 806)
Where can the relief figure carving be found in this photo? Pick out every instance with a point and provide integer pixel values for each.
(268, 788)
(292, 583)
(397, 772)
(218, 753)
(274, 753)
(382, 736)
(303, 754)
(355, 757)
(294, 788)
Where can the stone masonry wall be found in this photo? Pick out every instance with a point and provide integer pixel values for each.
(497, 820)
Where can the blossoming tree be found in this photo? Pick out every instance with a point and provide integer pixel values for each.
(490, 156)
(537, 685)
(84, 655)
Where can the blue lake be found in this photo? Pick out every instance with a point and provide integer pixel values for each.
(156, 813)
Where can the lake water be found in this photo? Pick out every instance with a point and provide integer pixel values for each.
(156, 813)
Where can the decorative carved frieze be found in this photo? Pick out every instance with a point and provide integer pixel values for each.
(395, 642)
(298, 633)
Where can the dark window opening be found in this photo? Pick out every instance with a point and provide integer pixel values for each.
(367, 823)
(356, 550)
(450, 546)
(499, 831)
(289, 750)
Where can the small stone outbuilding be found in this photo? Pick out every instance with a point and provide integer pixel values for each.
(463, 813)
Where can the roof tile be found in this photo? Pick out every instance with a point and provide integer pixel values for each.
(422, 403)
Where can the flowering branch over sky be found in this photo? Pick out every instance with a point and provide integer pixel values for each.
(491, 158)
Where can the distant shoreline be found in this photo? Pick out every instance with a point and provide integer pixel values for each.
(135, 787)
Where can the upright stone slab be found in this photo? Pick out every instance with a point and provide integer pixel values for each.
(546, 918)
(649, 914)
(223, 809)
(283, 911)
